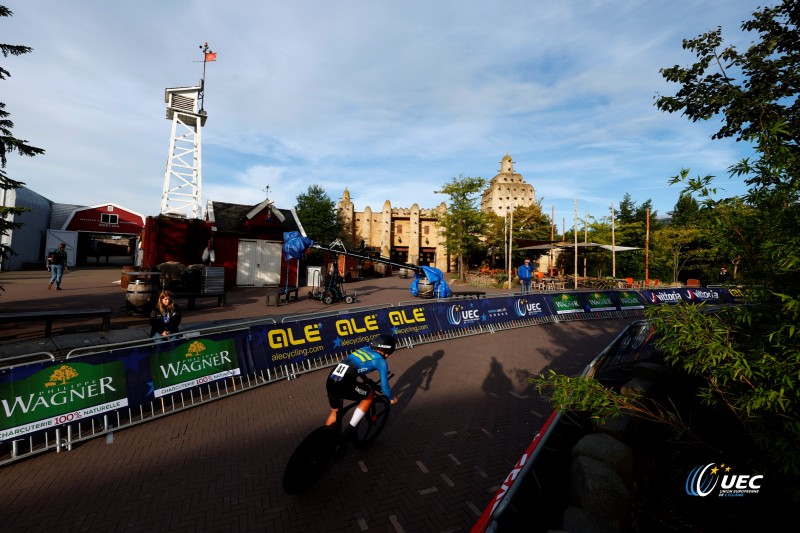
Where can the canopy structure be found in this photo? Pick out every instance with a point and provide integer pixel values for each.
(564, 245)
(575, 245)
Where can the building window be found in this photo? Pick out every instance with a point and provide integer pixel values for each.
(105, 218)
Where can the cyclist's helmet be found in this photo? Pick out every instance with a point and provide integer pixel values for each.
(385, 342)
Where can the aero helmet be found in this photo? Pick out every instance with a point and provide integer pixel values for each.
(385, 342)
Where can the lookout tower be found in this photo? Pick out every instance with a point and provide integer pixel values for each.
(183, 178)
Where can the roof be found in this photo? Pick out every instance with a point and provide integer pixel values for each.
(231, 218)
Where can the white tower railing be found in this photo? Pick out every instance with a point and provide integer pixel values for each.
(183, 178)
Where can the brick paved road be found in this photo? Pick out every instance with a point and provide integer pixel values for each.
(218, 467)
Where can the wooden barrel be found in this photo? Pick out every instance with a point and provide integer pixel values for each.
(125, 278)
(402, 273)
(425, 288)
(140, 297)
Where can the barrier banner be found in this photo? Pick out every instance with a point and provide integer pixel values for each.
(683, 295)
(629, 300)
(192, 363)
(600, 301)
(275, 345)
(522, 307)
(42, 396)
(732, 295)
(566, 303)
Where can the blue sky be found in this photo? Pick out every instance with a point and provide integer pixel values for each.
(389, 99)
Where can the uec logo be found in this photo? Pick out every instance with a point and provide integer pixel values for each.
(457, 314)
(525, 308)
(702, 481)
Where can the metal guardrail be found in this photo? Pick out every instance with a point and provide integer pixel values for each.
(22, 360)
(63, 437)
(187, 334)
(629, 343)
(335, 312)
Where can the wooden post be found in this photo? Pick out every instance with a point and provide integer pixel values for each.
(613, 246)
(647, 251)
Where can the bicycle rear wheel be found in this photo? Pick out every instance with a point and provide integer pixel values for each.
(372, 424)
(309, 460)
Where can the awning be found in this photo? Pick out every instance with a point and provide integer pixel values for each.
(566, 245)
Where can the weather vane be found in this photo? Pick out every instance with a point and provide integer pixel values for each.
(266, 190)
(208, 55)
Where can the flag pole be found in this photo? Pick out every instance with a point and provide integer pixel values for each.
(575, 234)
(613, 246)
(208, 55)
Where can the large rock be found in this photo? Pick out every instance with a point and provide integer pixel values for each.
(599, 491)
(576, 520)
(609, 450)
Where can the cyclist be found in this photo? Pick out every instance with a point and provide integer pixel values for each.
(342, 383)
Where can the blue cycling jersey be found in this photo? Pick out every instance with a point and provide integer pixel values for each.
(366, 360)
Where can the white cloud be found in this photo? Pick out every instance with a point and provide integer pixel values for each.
(390, 100)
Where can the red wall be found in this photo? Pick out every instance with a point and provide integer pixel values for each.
(184, 240)
(174, 239)
(89, 220)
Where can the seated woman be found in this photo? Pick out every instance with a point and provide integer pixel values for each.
(165, 317)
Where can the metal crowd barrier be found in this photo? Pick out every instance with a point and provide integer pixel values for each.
(64, 436)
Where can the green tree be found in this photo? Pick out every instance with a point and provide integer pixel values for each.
(530, 223)
(746, 358)
(686, 211)
(677, 247)
(8, 145)
(631, 230)
(463, 222)
(317, 212)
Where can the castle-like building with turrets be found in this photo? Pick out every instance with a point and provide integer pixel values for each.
(507, 190)
(405, 235)
(412, 235)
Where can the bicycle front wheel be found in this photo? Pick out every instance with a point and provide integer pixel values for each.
(309, 460)
(372, 424)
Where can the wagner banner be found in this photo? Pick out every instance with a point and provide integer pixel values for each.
(192, 363)
(629, 300)
(566, 303)
(58, 394)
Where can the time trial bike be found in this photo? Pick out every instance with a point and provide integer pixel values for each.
(326, 444)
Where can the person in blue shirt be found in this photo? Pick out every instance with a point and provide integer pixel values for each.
(525, 273)
(343, 383)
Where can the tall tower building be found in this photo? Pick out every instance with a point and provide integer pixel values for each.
(507, 190)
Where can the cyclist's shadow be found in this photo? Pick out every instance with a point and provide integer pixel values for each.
(417, 377)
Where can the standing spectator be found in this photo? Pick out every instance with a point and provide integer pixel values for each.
(57, 261)
(525, 273)
(724, 277)
(165, 317)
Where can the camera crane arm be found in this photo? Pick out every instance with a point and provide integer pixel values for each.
(337, 247)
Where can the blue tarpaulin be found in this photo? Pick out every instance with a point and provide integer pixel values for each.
(436, 279)
(295, 245)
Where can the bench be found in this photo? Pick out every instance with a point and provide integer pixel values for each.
(49, 316)
(192, 297)
(467, 294)
(276, 294)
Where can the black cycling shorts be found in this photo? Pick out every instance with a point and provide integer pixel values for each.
(343, 383)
